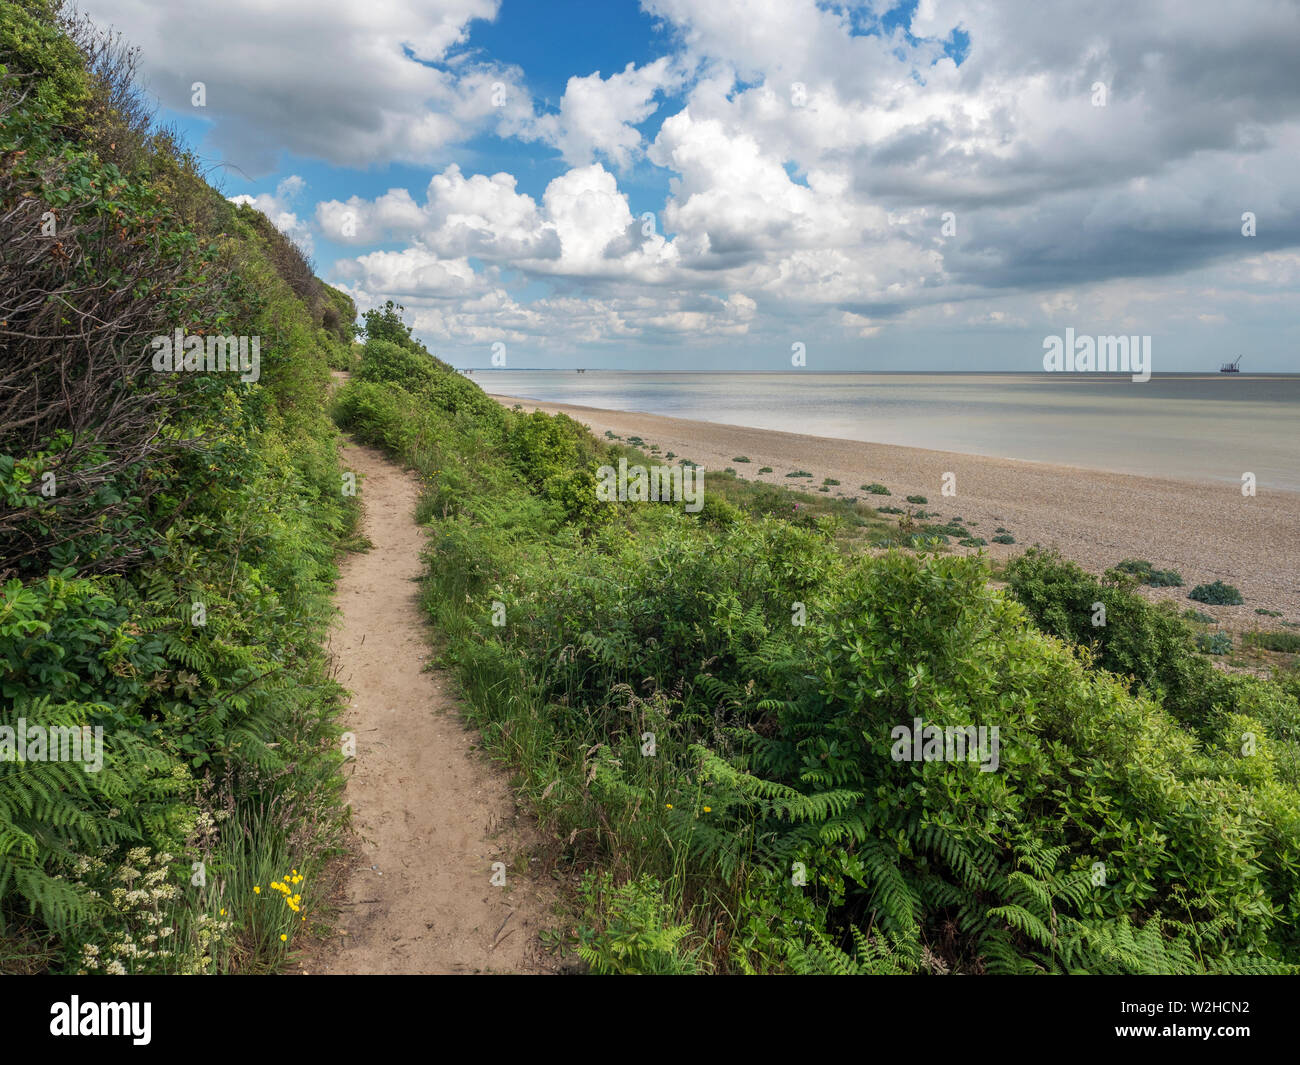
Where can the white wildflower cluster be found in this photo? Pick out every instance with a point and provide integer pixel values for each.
(140, 903)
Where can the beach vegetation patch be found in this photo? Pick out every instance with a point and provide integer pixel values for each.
(876, 489)
(917, 499)
(1216, 593)
(1287, 642)
(1214, 643)
(1146, 573)
(1004, 538)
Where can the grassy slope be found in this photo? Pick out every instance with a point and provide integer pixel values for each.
(220, 740)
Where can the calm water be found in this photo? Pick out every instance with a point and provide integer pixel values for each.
(1195, 427)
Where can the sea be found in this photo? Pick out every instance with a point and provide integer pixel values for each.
(1194, 427)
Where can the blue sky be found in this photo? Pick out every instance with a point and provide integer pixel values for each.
(700, 184)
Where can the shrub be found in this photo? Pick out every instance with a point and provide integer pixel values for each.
(798, 473)
(1155, 647)
(1214, 643)
(1004, 538)
(740, 458)
(830, 481)
(917, 499)
(1148, 574)
(1216, 593)
(876, 489)
(765, 469)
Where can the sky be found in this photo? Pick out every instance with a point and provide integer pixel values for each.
(719, 184)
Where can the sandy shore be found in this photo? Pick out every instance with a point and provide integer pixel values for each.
(1206, 531)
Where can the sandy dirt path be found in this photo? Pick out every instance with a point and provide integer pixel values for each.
(432, 814)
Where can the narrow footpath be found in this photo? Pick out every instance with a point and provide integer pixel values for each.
(432, 814)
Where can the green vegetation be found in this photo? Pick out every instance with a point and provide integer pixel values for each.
(1217, 593)
(1148, 574)
(723, 780)
(917, 499)
(1286, 642)
(1214, 643)
(765, 469)
(1004, 538)
(876, 489)
(174, 588)
(740, 458)
(1153, 648)
(798, 473)
(830, 481)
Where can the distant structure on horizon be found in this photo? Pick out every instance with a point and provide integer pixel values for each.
(582, 371)
(1231, 367)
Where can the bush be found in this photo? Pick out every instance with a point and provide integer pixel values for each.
(740, 458)
(765, 469)
(1148, 574)
(830, 481)
(388, 361)
(1216, 593)
(1214, 643)
(1004, 538)
(917, 499)
(798, 473)
(1155, 647)
(876, 489)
